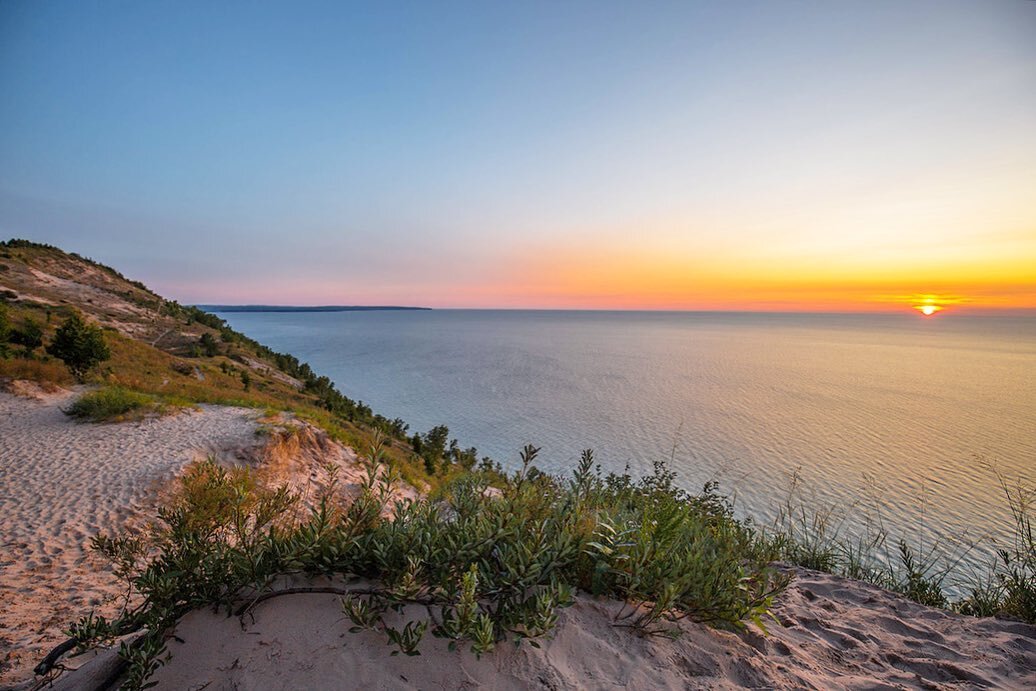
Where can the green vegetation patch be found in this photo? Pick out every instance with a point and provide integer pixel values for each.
(490, 565)
(113, 404)
(80, 345)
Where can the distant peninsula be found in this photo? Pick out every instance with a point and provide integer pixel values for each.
(304, 308)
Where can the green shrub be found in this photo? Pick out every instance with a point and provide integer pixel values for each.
(208, 345)
(5, 324)
(29, 336)
(111, 404)
(79, 345)
(493, 566)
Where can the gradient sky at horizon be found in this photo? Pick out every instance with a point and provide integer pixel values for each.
(750, 155)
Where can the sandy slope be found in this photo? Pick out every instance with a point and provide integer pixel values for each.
(63, 482)
(836, 634)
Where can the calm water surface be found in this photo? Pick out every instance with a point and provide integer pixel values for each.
(893, 414)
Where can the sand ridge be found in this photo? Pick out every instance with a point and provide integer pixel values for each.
(835, 633)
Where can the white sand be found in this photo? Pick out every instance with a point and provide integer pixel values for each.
(837, 634)
(61, 483)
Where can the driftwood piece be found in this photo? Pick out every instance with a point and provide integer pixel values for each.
(97, 674)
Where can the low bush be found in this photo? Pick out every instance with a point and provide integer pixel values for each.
(29, 336)
(208, 345)
(112, 404)
(5, 324)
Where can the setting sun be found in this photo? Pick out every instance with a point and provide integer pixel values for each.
(930, 304)
(928, 309)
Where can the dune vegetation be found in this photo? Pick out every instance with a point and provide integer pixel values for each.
(492, 563)
(114, 404)
(814, 536)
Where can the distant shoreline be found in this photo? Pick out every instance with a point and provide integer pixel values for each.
(303, 308)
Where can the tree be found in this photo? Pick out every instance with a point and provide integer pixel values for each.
(30, 336)
(79, 345)
(208, 345)
(431, 446)
(5, 325)
(436, 439)
(467, 458)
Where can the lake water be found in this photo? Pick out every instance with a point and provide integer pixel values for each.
(896, 414)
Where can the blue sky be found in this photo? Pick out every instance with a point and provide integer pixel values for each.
(483, 153)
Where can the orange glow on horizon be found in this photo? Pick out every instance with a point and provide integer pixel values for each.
(631, 271)
(655, 279)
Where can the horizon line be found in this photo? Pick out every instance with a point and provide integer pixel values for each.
(974, 311)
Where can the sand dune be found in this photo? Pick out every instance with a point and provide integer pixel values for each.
(60, 484)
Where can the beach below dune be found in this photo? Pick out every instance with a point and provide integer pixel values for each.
(62, 483)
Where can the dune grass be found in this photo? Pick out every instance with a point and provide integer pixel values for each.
(813, 535)
(49, 373)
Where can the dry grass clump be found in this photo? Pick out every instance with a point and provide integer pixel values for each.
(115, 404)
(52, 372)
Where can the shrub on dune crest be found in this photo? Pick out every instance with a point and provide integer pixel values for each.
(491, 565)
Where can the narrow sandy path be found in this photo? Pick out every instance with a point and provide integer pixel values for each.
(61, 483)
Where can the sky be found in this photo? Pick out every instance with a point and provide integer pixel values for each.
(870, 155)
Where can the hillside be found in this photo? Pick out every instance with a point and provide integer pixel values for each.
(208, 389)
(176, 352)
